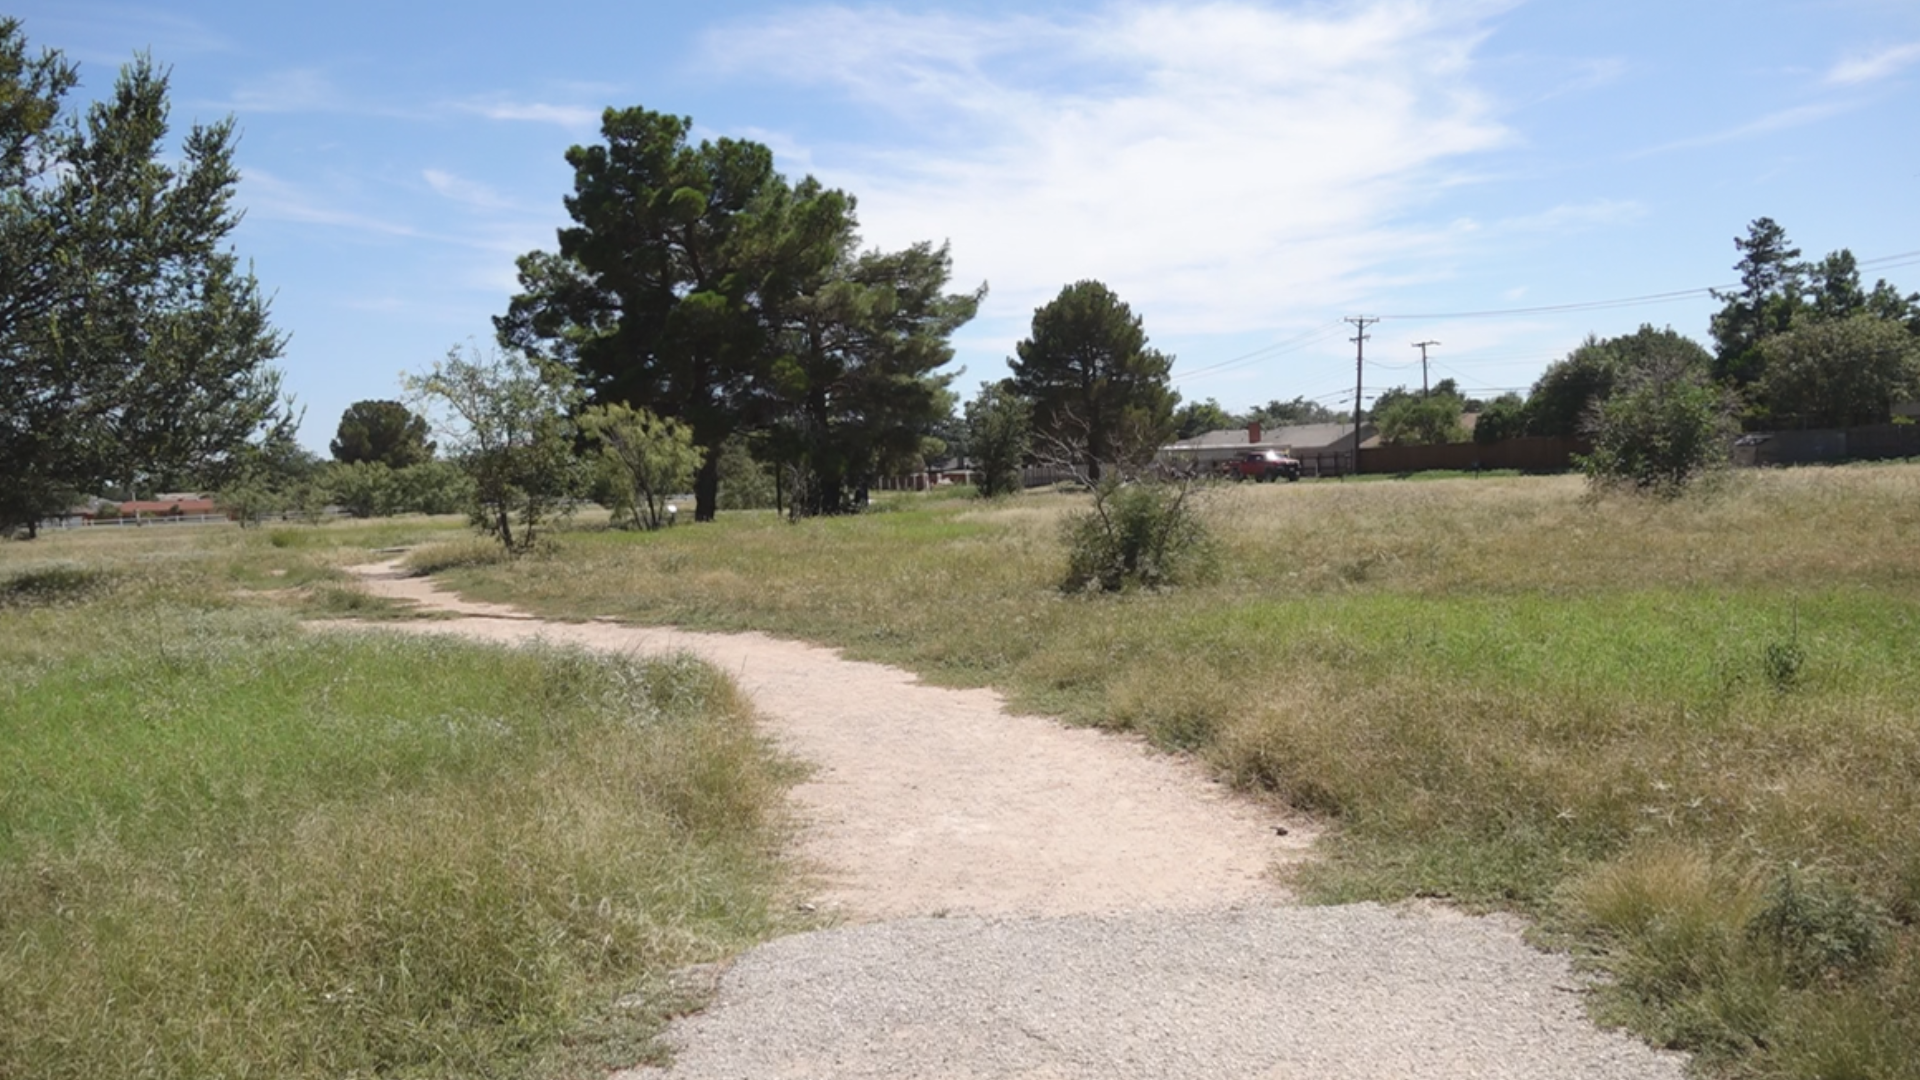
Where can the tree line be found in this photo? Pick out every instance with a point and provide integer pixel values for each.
(703, 317)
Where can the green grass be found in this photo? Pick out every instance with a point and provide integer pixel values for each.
(1501, 690)
(230, 846)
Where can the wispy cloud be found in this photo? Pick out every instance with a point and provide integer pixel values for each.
(1574, 217)
(470, 193)
(1211, 163)
(277, 198)
(1873, 66)
(1798, 116)
(567, 116)
(168, 35)
(294, 90)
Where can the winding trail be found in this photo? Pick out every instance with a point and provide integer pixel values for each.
(1021, 899)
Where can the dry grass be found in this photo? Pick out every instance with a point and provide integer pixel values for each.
(1498, 687)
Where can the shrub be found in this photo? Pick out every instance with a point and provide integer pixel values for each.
(1669, 426)
(1143, 534)
(432, 487)
(1821, 927)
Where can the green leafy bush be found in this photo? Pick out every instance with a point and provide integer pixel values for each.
(1666, 429)
(1822, 927)
(1142, 534)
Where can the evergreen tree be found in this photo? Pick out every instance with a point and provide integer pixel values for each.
(133, 347)
(1772, 284)
(1095, 384)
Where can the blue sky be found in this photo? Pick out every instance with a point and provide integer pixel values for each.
(1244, 174)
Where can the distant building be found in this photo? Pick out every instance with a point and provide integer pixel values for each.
(1322, 449)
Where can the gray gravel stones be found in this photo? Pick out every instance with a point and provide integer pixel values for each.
(1270, 992)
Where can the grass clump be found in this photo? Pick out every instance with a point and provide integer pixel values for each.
(231, 847)
(466, 553)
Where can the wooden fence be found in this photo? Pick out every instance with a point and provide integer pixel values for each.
(1814, 446)
(1534, 453)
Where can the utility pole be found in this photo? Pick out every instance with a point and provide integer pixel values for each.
(1360, 324)
(1422, 346)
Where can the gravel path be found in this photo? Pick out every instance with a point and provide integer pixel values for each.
(1022, 899)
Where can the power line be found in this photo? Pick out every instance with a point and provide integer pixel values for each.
(1589, 305)
(1311, 337)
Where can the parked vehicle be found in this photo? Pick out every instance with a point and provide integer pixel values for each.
(1261, 465)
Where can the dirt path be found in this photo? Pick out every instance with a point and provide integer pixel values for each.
(1023, 899)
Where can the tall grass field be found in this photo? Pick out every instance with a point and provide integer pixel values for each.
(233, 846)
(1683, 736)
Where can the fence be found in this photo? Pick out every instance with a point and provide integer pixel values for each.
(1871, 442)
(1533, 453)
(138, 522)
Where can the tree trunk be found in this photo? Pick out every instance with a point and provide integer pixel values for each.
(706, 486)
(505, 520)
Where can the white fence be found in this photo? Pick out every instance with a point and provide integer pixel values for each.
(139, 522)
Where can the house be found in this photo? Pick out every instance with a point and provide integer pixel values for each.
(1322, 449)
(185, 505)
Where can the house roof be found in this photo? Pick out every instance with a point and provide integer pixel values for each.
(1298, 437)
(193, 505)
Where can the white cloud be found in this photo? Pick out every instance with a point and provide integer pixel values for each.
(1214, 164)
(566, 116)
(1868, 68)
(468, 192)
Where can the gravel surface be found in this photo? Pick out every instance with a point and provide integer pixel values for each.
(1027, 900)
(1323, 992)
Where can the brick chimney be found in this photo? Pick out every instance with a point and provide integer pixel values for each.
(1253, 433)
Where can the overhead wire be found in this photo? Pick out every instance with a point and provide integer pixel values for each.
(1329, 330)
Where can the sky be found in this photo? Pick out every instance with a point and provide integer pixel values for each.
(1490, 175)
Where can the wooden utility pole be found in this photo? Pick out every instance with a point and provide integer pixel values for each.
(1422, 346)
(1360, 323)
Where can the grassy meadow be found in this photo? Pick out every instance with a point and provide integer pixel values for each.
(1685, 736)
(231, 846)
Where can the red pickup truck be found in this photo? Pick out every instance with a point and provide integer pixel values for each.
(1261, 465)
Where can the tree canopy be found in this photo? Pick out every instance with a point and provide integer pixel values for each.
(1288, 413)
(1422, 420)
(1092, 378)
(510, 427)
(1838, 372)
(384, 431)
(134, 349)
(1773, 316)
(698, 283)
(1199, 417)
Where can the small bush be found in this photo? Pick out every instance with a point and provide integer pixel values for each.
(1783, 661)
(1822, 927)
(1138, 534)
(1669, 427)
